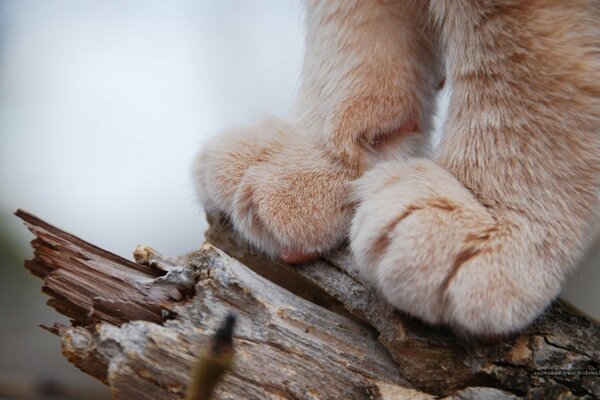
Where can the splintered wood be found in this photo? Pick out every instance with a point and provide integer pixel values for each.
(310, 332)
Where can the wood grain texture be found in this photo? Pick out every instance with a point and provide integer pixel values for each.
(314, 331)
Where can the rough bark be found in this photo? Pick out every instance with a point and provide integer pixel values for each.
(310, 332)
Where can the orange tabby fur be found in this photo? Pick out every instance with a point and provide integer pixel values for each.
(478, 233)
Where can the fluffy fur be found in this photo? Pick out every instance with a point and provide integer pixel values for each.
(478, 233)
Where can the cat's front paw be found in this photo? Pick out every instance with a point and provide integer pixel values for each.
(293, 206)
(435, 252)
(283, 194)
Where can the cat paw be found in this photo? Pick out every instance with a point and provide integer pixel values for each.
(435, 252)
(223, 161)
(283, 194)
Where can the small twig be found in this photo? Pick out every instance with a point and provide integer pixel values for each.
(214, 361)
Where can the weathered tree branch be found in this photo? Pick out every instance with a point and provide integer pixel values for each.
(137, 327)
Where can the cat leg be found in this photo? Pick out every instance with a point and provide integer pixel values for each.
(482, 236)
(368, 81)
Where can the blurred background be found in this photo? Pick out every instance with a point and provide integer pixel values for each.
(103, 104)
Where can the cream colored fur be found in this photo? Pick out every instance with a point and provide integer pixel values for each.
(478, 234)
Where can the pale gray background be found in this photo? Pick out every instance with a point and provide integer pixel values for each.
(102, 107)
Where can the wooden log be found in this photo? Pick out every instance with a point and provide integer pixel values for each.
(314, 331)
